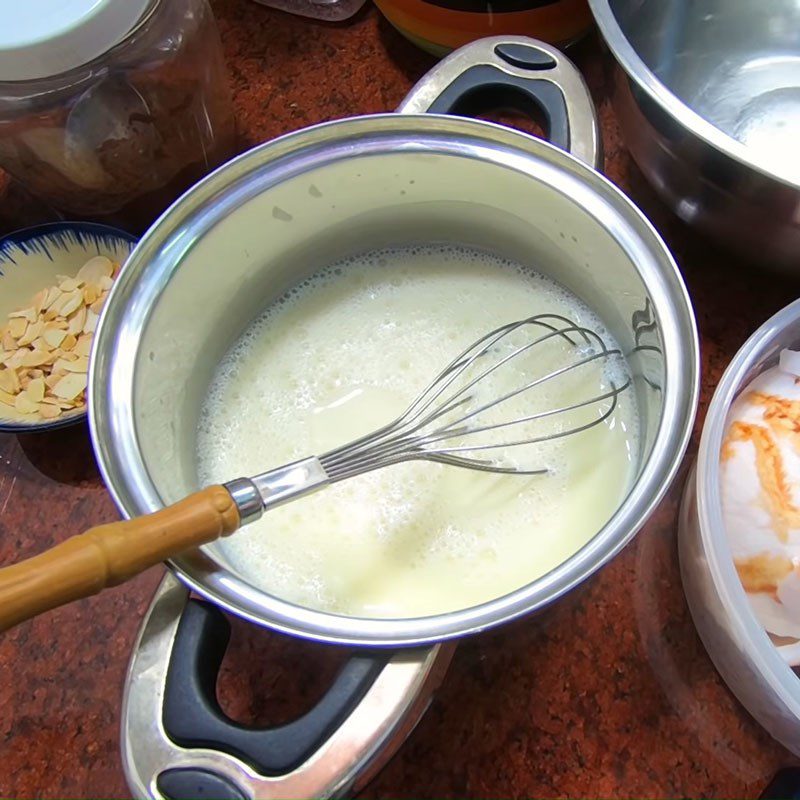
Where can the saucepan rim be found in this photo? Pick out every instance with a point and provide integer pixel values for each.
(467, 136)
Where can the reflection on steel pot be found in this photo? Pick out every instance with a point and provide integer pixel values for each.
(235, 243)
(708, 96)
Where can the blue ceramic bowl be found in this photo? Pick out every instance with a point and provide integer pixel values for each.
(31, 258)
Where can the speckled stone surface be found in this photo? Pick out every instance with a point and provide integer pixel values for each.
(608, 693)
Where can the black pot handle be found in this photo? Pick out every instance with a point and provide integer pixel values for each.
(784, 786)
(193, 717)
(191, 783)
(513, 72)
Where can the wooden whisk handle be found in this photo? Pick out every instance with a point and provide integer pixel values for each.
(110, 554)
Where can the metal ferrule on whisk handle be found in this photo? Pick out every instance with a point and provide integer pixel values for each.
(253, 496)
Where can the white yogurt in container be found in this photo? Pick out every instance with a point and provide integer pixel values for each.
(345, 353)
(760, 493)
(737, 534)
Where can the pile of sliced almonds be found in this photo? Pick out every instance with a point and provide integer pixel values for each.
(44, 347)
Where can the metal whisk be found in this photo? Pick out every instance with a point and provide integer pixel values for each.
(442, 423)
(445, 423)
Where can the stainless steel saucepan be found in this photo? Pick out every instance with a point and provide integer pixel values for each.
(263, 222)
(708, 97)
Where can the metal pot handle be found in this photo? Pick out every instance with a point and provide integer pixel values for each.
(178, 743)
(514, 72)
(194, 719)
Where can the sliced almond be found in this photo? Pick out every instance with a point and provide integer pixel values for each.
(97, 306)
(25, 313)
(7, 382)
(15, 384)
(95, 268)
(17, 326)
(54, 311)
(24, 404)
(35, 390)
(91, 322)
(70, 386)
(39, 300)
(68, 342)
(53, 293)
(77, 321)
(45, 347)
(72, 302)
(54, 337)
(47, 411)
(65, 304)
(90, 293)
(69, 284)
(33, 331)
(41, 344)
(61, 365)
(17, 357)
(35, 358)
(84, 345)
(79, 365)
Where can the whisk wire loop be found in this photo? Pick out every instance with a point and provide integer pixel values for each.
(436, 417)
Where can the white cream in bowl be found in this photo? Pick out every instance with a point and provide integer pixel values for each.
(345, 353)
(760, 487)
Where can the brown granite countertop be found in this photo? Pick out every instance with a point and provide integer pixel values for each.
(608, 693)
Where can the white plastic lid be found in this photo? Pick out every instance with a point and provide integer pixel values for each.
(41, 38)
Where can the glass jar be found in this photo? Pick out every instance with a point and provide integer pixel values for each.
(118, 138)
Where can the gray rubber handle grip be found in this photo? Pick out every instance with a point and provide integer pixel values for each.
(517, 72)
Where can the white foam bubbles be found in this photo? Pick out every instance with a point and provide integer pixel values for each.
(345, 352)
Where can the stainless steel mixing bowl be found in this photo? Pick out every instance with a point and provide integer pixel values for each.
(738, 645)
(708, 96)
(262, 223)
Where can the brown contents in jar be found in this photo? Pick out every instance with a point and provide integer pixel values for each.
(125, 146)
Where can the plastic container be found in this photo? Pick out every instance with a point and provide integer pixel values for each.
(110, 109)
(739, 646)
(439, 26)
